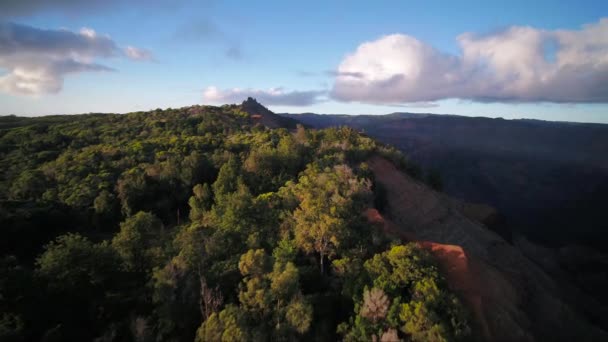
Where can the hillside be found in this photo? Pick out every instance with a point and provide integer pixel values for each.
(548, 179)
(204, 223)
(513, 298)
(231, 223)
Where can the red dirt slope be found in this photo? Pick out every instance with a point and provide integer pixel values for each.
(512, 298)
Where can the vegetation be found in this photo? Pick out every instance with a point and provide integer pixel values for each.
(196, 224)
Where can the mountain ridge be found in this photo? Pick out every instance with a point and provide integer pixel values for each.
(544, 177)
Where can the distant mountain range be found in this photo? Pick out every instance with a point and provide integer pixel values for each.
(549, 180)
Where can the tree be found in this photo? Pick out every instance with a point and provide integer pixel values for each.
(104, 203)
(73, 263)
(136, 239)
(300, 135)
(408, 296)
(131, 188)
(227, 326)
(28, 186)
(253, 263)
(375, 305)
(329, 203)
(82, 280)
(273, 296)
(299, 315)
(200, 201)
(227, 179)
(234, 211)
(210, 299)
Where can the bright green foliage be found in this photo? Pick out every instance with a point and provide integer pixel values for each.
(195, 224)
(407, 296)
(401, 267)
(329, 202)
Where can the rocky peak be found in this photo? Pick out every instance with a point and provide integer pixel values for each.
(253, 107)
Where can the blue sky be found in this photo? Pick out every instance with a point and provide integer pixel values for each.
(295, 55)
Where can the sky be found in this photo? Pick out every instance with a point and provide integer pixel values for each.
(518, 59)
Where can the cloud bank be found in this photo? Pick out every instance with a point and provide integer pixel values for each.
(22, 8)
(271, 97)
(37, 60)
(519, 64)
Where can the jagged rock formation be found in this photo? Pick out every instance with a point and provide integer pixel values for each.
(512, 298)
(260, 114)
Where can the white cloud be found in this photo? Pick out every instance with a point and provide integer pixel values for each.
(273, 96)
(37, 60)
(520, 64)
(138, 54)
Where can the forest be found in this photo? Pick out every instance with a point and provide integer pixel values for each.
(199, 224)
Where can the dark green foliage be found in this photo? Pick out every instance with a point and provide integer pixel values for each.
(191, 224)
(137, 241)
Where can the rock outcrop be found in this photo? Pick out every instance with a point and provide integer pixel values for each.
(260, 114)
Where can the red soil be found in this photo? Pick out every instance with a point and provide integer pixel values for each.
(453, 261)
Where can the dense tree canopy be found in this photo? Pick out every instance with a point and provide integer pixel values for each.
(197, 224)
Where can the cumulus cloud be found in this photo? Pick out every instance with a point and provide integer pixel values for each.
(37, 60)
(519, 64)
(273, 96)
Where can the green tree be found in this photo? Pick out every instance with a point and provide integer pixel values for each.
(408, 295)
(131, 189)
(299, 315)
(28, 186)
(82, 282)
(200, 201)
(104, 202)
(254, 263)
(137, 239)
(227, 179)
(329, 202)
(227, 326)
(73, 263)
(273, 296)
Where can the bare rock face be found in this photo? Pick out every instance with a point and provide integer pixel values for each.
(511, 297)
